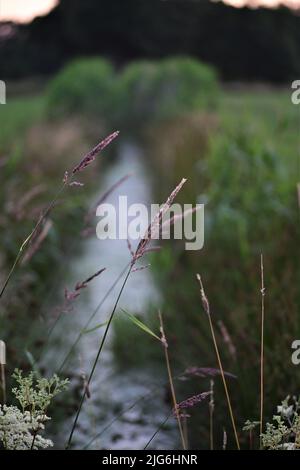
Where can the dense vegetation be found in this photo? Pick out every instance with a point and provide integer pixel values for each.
(143, 92)
(239, 153)
(236, 41)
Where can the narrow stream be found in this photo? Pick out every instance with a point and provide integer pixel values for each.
(116, 412)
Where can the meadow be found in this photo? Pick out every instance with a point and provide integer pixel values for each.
(237, 146)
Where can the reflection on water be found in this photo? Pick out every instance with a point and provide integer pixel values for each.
(112, 410)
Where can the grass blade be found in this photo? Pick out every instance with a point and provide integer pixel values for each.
(141, 325)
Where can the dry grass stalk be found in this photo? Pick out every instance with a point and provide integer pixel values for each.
(104, 196)
(204, 372)
(92, 316)
(227, 340)
(224, 447)
(88, 230)
(37, 242)
(262, 290)
(194, 400)
(19, 209)
(2, 372)
(206, 307)
(140, 251)
(155, 225)
(90, 156)
(87, 160)
(72, 295)
(176, 406)
(211, 406)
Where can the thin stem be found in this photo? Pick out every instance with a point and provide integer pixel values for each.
(224, 446)
(207, 309)
(119, 415)
(185, 431)
(157, 430)
(262, 345)
(88, 217)
(211, 435)
(33, 440)
(143, 397)
(211, 416)
(81, 333)
(29, 238)
(165, 346)
(97, 358)
(224, 382)
(3, 384)
(36, 432)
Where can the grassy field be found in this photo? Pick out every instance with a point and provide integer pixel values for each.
(242, 162)
(240, 155)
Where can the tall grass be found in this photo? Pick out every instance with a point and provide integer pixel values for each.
(245, 171)
(175, 402)
(262, 348)
(206, 307)
(141, 250)
(67, 181)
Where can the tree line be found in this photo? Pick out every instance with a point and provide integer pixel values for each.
(242, 44)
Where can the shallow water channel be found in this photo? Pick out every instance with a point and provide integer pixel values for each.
(125, 408)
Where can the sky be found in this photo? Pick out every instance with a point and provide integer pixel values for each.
(266, 3)
(25, 10)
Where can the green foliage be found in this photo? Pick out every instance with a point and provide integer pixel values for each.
(146, 351)
(144, 92)
(150, 91)
(250, 426)
(15, 118)
(83, 86)
(35, 394)
(284, 434)
(141, 325)
(33, 158)
(245, 171)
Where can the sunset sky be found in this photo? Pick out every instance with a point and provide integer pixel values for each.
(25, 10)
(266, 3)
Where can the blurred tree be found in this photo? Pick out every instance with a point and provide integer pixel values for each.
(243, 44)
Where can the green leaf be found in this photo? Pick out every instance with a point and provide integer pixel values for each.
(141, 325)
(90, 330)
(33, 363)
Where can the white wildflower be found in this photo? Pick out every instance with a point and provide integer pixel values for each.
(286, 411)
(18, 429)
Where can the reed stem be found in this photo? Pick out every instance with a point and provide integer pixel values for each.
(262, 346)
(207, 310)
(165, 346)
(87, 324)
(211, 416)
(97, 358)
